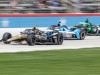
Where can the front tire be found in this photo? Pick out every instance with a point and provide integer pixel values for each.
(5, 37)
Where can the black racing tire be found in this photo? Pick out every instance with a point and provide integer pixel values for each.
(59, 39)
(31, 40)
(82, 35)
(96, 29)
(5, 37)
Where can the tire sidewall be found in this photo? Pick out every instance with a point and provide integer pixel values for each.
(6, 36)
(82, 35)
(31, 40)
(96, 29)
(59, 39)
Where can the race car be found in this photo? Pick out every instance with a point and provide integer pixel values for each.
(69, 33)
(88, 27)
(34, 36)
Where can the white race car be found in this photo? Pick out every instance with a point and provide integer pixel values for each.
(69, 33)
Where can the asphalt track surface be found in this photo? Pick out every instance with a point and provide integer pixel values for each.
(88, 42)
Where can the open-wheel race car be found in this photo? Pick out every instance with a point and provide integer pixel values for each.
(34, 36)
(89, 28)
(69, 33)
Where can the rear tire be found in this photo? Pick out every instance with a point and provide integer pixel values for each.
(59, 39)
(6, 36)
(82, 35)
(31, 40)
(96, 29)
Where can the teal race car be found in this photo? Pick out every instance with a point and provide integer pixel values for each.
(88, 27)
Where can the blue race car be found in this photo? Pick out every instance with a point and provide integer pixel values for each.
(69, 33)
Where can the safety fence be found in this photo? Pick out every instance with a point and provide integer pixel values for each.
(45, 20)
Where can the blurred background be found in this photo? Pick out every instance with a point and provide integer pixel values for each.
(49, 6)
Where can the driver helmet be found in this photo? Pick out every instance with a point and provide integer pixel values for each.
(59, 24)
(34, 27)
(87, 21)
